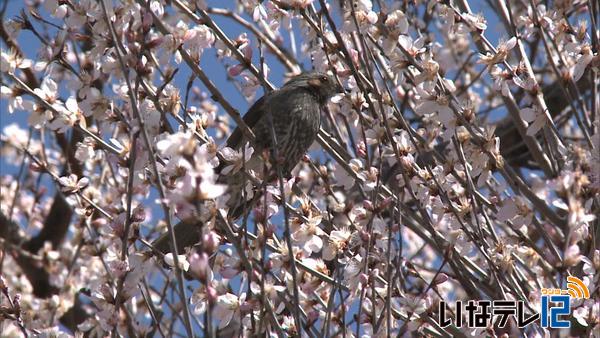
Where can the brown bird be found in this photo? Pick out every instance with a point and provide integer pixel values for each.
(294, 111)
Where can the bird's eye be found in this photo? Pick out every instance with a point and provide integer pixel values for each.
(324, 79)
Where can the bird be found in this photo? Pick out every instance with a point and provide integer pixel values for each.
(294, 111)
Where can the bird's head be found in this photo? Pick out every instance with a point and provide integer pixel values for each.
(321, 84)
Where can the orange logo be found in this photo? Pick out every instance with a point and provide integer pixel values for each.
(575, 288)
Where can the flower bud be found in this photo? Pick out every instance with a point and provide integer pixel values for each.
(210, 242)
(439, 279)
(211, 295)
(365, 236)
(363, 278)
(199, 265)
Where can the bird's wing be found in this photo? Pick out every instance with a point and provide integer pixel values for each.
(187, 233)
(251, 118)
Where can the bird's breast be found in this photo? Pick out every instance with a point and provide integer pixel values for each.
(295, 116)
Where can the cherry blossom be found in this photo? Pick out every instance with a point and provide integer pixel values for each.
(12, 60)
(228, 307)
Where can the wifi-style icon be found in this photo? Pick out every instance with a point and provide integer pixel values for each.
(576, 288)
